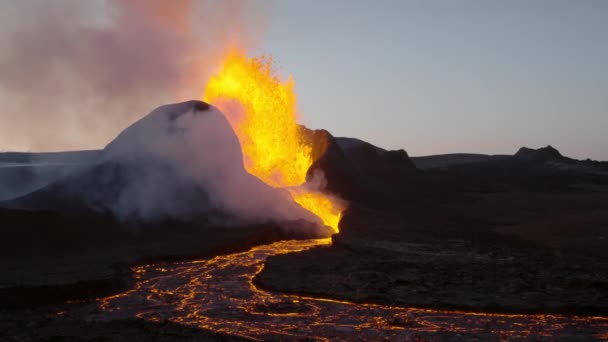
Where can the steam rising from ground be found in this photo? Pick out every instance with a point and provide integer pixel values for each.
(75, 73)
(189, 162)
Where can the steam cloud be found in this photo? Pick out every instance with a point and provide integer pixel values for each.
(75, 73)
(183, 149)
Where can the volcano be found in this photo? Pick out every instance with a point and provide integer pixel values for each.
(182, 162)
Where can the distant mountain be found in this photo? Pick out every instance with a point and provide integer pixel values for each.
(547, 156)
(551, 157)
(451, 159)
(23, 172)
(541, 154)
(422, 162)
(528, 169)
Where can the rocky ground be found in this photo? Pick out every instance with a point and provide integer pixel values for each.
(41, 326)
(521, 233)
(47, 258)
(523, 260)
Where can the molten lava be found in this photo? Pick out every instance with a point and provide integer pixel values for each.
(262, 111)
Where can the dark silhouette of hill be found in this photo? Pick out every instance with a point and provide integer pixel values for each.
(447, 160)
(348, 143)
(523, 155)
(359, 171)
(541, 154)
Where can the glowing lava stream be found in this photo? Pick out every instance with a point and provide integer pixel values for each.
(218, 294)
(262, 111)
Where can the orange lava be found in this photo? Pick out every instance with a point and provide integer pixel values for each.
(262, 111)
(219, 294)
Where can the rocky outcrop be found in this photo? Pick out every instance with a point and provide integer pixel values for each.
(541, 154)
(359, 171)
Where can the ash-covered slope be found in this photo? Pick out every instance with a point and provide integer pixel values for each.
(181, 162)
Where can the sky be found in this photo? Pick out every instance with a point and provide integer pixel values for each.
(426, 76)
(437, 77)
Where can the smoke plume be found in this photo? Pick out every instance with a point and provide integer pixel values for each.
(75, 73)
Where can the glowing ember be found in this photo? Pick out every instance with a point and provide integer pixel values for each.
(262, 112)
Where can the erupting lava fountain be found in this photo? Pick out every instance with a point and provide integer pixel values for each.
(262, 111)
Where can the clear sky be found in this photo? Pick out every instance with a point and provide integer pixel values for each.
(450, 76)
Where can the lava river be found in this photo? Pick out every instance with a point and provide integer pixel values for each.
(218, 294)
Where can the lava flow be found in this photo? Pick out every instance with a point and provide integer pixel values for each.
(262, 111)
(219, 295)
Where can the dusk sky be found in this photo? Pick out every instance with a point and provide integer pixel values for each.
(450, 76)
(430, 77)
